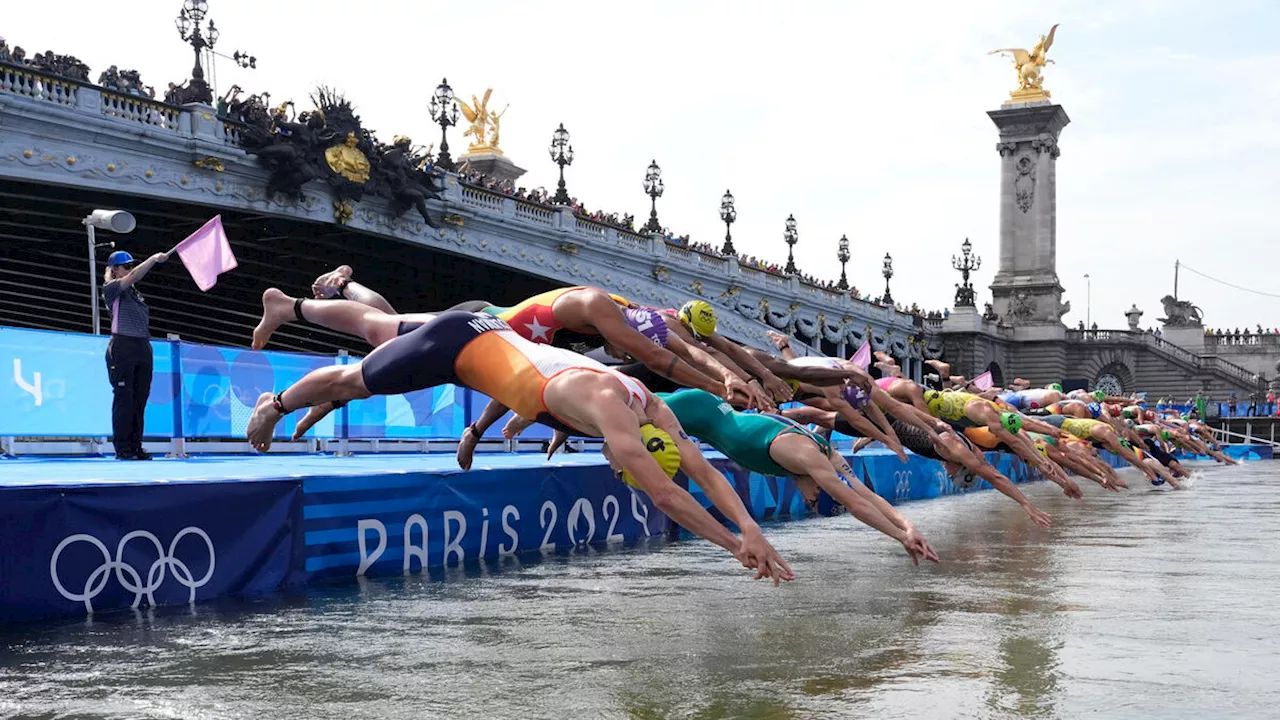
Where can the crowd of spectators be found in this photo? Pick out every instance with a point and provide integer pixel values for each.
(48, 62)
(1237, 336)
(125, 81)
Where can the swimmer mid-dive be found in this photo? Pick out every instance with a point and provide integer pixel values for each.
(775, 446)
(555, 386)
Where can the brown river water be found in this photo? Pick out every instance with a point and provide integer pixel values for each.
(1150, 604)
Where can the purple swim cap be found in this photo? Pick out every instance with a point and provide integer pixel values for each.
(648, 323)
(855, 396)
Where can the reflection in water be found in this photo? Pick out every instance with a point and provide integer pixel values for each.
(1148, 604)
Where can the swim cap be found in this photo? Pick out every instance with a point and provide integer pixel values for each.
(855, 396)
(1130, 423)
(793, 384)
(1011, 421)
(1094, 409)
(1099, 395)
(1055, 386)
(698, 316)
(1126, 443)
(661, 448)
(965, 480)
(1166, 435)
(648, 323)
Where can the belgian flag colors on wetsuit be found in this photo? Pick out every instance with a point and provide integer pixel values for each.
(534, 320)
(483, 353)
(743, 437)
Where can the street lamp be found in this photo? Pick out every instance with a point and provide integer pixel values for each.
(966, 263)
(445, 112)
(188, 24)
(116, 221)
(245, 60)
(887, 271)
(843, 256)
(1088, 302)
(728, 213)
(791, 237)
(562, 154)
(653, 188)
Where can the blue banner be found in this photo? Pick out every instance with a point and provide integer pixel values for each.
(55, 384)
(409, 522)
(77, 550)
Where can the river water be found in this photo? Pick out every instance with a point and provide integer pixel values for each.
(1150, 604)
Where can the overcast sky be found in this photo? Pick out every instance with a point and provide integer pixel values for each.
(865, 119)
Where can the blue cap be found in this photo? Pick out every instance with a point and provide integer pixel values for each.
(118, 258)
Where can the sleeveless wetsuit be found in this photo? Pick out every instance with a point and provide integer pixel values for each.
(743, 437)
(534, 320)
(949, 407)
(483, 353)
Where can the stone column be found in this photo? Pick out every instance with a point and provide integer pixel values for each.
(1026, 289)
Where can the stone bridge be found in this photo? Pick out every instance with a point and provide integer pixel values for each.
(1123, 360)
(58, 136)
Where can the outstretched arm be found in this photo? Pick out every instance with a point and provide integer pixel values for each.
(775, 387)
(914, 542)
(721, 493)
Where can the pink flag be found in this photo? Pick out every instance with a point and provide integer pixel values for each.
(207, 254)
(862, 358)
(984, 381)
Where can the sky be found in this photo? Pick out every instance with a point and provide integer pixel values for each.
(865, 119)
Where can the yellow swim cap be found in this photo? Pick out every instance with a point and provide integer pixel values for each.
(698, 316)
(661, 448)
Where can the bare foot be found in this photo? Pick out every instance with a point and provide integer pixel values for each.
(313, 416)
(277, 309)
(515, 426)
(467, 448)
(262, 423)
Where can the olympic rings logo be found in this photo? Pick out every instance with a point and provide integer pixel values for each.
(902, 484)
(127, 574)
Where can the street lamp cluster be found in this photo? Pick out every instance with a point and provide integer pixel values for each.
(967, 262)
(444, 112)
(193, 13)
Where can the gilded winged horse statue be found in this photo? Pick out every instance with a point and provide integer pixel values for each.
(1027, 64)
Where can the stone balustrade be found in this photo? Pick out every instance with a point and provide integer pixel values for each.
(1144, 338)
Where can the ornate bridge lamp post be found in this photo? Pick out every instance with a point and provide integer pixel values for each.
(790, 236)
(887, 271)
(728, 213)
(966, 263)
(188, 24)
(843, 256)
(653, 187)
(561, 154)
(444, 111)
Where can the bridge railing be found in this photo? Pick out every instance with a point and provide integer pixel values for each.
(1138, 337)
(1251, 340)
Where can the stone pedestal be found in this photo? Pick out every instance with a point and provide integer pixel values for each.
(1026, 290)
(1187, 337)
(491, 164)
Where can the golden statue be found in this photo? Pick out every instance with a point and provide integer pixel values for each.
(1028, 64)
(347, 160)
(484, 127)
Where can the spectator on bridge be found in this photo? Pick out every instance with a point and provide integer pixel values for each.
(1253, 404)
(129, 351)
(1271, 401)
(1231, 404)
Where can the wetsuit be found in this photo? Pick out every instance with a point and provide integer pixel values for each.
(483, 353)
(949, 407)
(1026, 399)
(1150, 435)
(744, 438)
(534, 320)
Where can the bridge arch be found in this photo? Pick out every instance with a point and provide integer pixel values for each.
(1115, 378)
(997, 373)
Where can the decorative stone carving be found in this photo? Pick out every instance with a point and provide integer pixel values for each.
(1006, 148)
(1063, 309)
(1024, 184)
(1022, 307)
(1134, 316)
(1045, 143)
(1180, 313)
